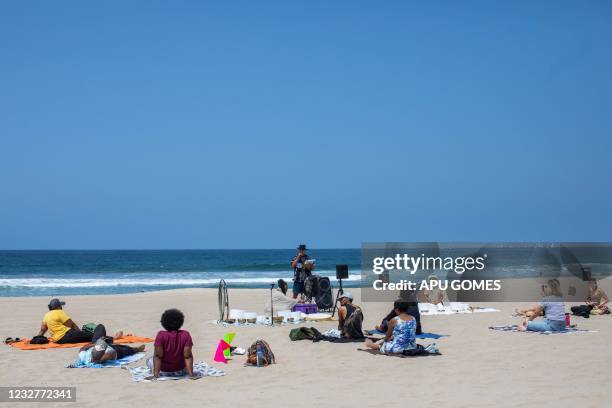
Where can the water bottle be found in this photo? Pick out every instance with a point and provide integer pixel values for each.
(260, 355)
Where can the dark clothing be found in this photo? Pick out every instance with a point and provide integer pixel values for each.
(352, 323)
(80, 336)
(413, 311)
(582, 310)
(123, 351)
(76, 336)
(100, 332)
(350, 309)
(298, 287)
(300, 273)
(120, 349)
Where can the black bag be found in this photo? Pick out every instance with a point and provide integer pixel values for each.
(304, 333)
(582, 310)
(39, 340)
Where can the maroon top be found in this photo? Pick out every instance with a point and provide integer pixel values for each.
(173, 343)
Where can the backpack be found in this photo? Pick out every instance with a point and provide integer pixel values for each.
(39, 340)
(268, 355)
(89, 327)
(304, 333)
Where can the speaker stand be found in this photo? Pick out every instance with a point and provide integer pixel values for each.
(340, 292)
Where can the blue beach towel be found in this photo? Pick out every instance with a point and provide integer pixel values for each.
(430, 336)
(108, 364)
(418, 336)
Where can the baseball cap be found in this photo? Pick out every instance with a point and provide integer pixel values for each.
(347, 295)
(55, 303)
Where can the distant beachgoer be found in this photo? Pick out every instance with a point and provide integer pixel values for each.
(434, 296)
(173, 346)
(102, 348)
(413, 310)
(302, 269)
(280, 300)
(597, 299)
(62, 328)
(552, 307)
(350, 318)
(401, 332)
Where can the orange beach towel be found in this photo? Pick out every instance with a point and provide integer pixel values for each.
(24, 344)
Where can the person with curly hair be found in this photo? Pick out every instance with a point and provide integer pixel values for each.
(173, 353)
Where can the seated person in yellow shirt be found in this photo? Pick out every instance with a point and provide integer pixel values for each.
(61, 327)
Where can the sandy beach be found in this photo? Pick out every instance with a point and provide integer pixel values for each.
(479, 367)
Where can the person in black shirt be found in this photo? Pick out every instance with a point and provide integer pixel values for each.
(301, 270)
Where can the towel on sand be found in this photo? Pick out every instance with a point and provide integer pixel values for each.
(514, 328)
(419, 351)
(24, 344)
(109, 363)
(418, 336)
(200, 369)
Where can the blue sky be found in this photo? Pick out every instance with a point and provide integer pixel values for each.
(265, 124)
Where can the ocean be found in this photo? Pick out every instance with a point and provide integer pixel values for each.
(56, 273)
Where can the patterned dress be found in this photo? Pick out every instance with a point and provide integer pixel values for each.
(403, 337)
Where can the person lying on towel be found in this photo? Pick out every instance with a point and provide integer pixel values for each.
(350, 317)
(102, 349)
(280, 300)
(552, 307)
(401, 332)
(62, 328)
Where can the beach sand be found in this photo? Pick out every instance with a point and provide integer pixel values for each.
(479, 367)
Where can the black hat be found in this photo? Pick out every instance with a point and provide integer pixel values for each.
(302, 247)
(56, 304)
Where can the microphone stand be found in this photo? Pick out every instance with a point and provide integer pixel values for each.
(271, 305)
(340, 293)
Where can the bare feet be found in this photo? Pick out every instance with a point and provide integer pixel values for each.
(118, 335)
(370, 344)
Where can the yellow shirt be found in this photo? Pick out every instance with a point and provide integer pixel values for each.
(55, 319)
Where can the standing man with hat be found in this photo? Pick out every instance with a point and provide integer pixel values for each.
(301, 270)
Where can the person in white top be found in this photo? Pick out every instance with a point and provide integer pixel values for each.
(280, 299)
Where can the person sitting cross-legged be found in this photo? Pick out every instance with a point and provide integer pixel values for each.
(401, 331)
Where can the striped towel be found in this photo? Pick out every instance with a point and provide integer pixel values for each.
(200, 369)
(514, 328)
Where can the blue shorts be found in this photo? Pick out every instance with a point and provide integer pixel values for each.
(298, 287)
(546, 325)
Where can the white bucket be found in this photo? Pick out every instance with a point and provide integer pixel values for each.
(283, 313)
(236, 314)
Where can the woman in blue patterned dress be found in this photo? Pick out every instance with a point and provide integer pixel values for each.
(400, 332)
